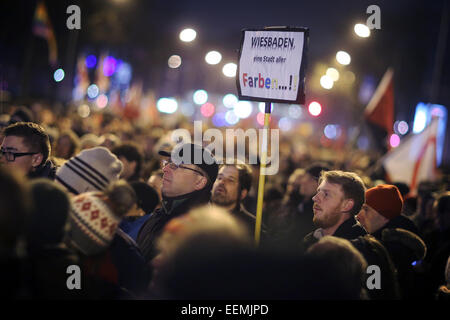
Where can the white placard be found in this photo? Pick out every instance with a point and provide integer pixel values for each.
(270, 65)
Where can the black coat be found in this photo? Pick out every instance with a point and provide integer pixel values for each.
(47, 170)
(349, 230)
(171, 208)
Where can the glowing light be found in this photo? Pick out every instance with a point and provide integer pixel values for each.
(330, 131)
(109, 66)
(102, 101)
(420, 119)
(295, 111)
(437, 112)
(92, 91)
(260, 118)
(285, 124)
(230, 100)
(401, 127)
(243, 109)
(200, 97)
(213, 57)
(229, 70)
(361, 30)
(84, 111)
(188, 35)
(219, 119)
(326, 82)
(333, 74)
(58, 75)
(231, 118)
(315, 108)
(167, 105)
(207, 109)
(343, 58)
(174, 61)
(394, 140)
(91, 61)
(124, 73)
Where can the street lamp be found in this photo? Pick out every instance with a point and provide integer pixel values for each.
(361, 30)
(188, 35)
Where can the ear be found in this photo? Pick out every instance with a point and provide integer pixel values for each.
(36, 160)
(133, 165)
(348, 205)
(201, 183)
(244, 194)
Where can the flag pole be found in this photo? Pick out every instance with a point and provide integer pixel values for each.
(262, 174)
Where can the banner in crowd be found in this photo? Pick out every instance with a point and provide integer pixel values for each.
(272, 65)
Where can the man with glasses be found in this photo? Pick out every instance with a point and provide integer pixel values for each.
(188, 178)
(26, 149)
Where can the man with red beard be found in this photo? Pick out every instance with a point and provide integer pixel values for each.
(231, 187)
(338, 200)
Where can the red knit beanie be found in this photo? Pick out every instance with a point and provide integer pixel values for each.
(386, 199)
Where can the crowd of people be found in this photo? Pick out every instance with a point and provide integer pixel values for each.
(105, 195)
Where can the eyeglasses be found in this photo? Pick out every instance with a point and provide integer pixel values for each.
(174, 166)
(11, 156)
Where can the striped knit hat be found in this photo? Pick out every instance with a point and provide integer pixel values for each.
(92, 223)
(91, 170)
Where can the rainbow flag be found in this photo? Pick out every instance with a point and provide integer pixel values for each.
(43, 28)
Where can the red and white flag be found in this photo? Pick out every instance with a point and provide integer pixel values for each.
(380, 109)
(414, 160)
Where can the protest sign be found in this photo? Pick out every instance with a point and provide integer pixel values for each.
(272, 65)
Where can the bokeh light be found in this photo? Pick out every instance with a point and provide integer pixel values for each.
(231, 118)
(285, 124)
(361, 30)
(343, 58)
(401, 127)
(243, 109)
(167, 105)
(200, 97)
(92, 91)
(213, 57)
(91, 61)
(229, 100)
(124, 73)
(333, 74)
(260, 118)
(219, 119)
(207, 109)
(326, 82)
(315, 108)
(174, 61)
(109, 66)
(394, 140)
(84, 111)
(188, 35)
(229, 70)
(102, 101)
(332, 131)
(58, 75)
